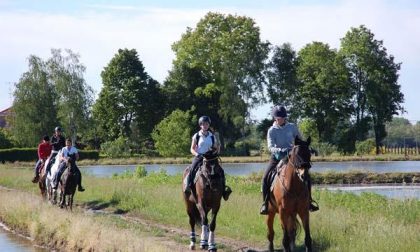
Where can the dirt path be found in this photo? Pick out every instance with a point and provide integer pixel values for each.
(174, 235)
(174, 238)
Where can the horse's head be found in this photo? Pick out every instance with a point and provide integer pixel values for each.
(300, 157)
(72, 161)
(211, 170)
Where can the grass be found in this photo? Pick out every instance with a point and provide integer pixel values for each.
(346, 222)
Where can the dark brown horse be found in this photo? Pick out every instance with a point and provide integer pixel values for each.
(205, 197)
(42, 180)
(68, 183)
(290, 197)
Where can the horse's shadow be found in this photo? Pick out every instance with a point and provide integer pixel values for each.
(98, 205)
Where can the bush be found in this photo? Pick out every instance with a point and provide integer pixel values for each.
(324, 149)
(117, 148)
(365, 147)
(31, 154)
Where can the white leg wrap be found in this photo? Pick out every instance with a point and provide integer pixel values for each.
(211, 238)
(204, 232)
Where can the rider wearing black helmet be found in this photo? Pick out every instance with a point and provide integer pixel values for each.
(280, 139)
(203, 142)
(58, 142)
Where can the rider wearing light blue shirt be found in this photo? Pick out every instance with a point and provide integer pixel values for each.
(280, 139)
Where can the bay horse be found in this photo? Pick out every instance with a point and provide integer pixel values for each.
(205, 195)
(290, 197)
(68, 183)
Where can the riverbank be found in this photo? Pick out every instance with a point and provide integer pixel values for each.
(346, 222)
(250, 159)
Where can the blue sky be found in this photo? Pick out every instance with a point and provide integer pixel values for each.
(97, 29)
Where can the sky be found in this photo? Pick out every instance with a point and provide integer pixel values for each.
(97, 29)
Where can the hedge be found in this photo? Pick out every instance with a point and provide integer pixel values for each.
(31, 154)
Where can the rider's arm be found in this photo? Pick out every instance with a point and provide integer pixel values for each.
(193, 148)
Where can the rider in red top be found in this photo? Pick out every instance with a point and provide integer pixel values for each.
(44, 151)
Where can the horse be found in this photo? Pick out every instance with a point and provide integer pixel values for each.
(51, 193)
(68, 183)
(290, 197)
(42, 180)
(205, 196)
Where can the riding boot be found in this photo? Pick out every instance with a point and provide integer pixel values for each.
(226, 189)
(264, 206)
(313, 205)
(36, 178)
(80, 187)
(188, 186)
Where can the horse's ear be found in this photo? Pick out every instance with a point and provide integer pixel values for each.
(309, 140)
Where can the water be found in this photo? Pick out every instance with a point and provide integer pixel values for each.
(13, 243)
(243, 169)
(393, 192)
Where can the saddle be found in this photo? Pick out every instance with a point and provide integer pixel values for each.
(273, 175)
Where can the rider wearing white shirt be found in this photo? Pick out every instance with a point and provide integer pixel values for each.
(66, 152)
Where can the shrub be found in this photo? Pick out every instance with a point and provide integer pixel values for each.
(31, 154)
(117, 148)
(324, 149)
(365, 147)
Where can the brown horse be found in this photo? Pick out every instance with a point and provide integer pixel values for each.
(42, 180)
(290, 197)
(205, 196)
(68, 183)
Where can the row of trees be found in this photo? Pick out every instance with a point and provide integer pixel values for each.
(222, 69)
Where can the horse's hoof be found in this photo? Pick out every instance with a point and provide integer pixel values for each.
(212, 247)
(192, 247)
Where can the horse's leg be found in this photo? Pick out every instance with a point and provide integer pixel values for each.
(270, 229)
(71, 201)
(212, 243)
(285, 225)
(304, 217)
(204, 226)
(192, 211)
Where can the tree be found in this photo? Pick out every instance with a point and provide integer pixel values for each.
(172, 136)
(283, 85)
(5, 139)
(325, 92)
(74, 97)
(34, 110)
(220, 62)
(374, 77)
(129, 98)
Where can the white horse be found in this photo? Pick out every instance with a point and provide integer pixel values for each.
(52, 194)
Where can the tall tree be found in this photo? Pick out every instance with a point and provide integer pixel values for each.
(74, 96)
(128, 95)
(325, 91)
(34, 110)
(374, 76)
(221, 62)
(283, 85)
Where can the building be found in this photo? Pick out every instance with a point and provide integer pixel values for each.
(3, 117)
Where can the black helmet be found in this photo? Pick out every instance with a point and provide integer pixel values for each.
(57, 128)
(279, 111)
(204, 119)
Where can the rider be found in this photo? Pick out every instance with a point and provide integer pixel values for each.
(64, 158)
(44, 151)
(280, 138)
(202, 142)
(58, 142)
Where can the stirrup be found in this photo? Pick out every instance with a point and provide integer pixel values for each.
(35, 179)
(226, 193)
(313, 206)
(264, 208)
(80, 189)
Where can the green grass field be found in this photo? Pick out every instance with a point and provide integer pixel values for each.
(346, 222)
